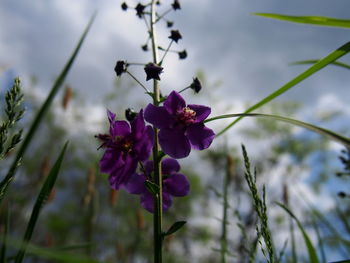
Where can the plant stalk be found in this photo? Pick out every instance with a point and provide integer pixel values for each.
(157, 219)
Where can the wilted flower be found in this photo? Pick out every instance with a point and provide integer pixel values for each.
(182, 54)
(196, 85)
(144, 47)
(176, 5)
(139, 10)
(175, 35)
(152, 71)
(124, 6)
(174, 184)
(181, 127)
(125, 147)
(120, 67)
(169, 23)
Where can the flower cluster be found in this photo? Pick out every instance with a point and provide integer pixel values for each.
(180, 128)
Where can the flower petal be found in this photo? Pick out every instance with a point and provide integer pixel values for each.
(148, 165)
(174, 143)
(138, 126)
(202, 112)
(166, 201)
(120, 176)
(110, 161)
(136, 184)
(111, 116)
(176, 185)
(147, 201)
(200, 136)
(170, 166)
(119, 128)
(158, 116)
(143, 146)
(174, 102)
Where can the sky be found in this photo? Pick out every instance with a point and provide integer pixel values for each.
(244, 57)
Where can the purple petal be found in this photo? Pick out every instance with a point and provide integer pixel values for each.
(200, 136)
(119, 128)
(166, 201)
(144, 145)
(111, 116)
(120, 176)
(110, 161)
(158, 116)
(148, 165)
(174, 102)
(147, 201)
(202, 112)
(138, 126)
(174, 143)
(170, 166)
(136, 184)
(177, 185)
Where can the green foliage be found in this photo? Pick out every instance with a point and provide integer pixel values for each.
(261, 210)
(41, 199)
(40, 115)
(310, 248)
(333, 56)
(312, 20)
(14, 112)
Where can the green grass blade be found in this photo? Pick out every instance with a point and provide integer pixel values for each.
(312, 20)
(4, 236)
(41, 199)
(330, 134)
(313, 61)
(310, 248)
(333, 56)
(54, 255)
(40, 115)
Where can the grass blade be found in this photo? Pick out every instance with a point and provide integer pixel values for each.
(332, 135)
(4, 235)
(313, 61)
(41, 199)
(312, 20)
(40, 115)
(310, 248)
(333, 56)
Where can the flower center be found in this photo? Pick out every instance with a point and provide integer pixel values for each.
(186, 116)
(124, 144)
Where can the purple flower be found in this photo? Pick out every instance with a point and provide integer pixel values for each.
(174, 184)
(181, 127)
(125, 147)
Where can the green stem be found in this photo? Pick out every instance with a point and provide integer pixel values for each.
(157, 219)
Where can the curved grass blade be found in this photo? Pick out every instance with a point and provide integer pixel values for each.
(56, 255)
(313, 61)
(41, 199)
(4, 235)
(310, 248)
(312, 20)
(335, 136)
(40, 115)
(333, 56)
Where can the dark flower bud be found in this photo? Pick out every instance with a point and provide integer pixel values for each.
(120, 67)
(130, 114)
(176, 5)
(152, 71)
(175, 35)
(169, 24)
(158, 3)
(140, 10)
(144, 47)
(342, 194)
(124, 6)
(196, 85)
(182, 54)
